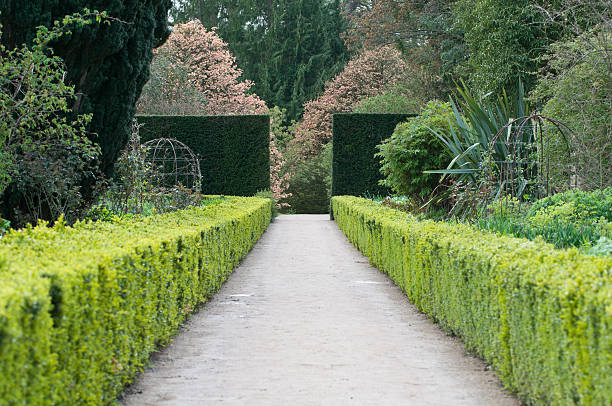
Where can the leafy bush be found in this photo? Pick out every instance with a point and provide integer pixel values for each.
(46, 155)
(576, 91)
(412, 149)
(390, 102)
(540, 316)
(570, 219)
(561, 233)
(590, 206)
(83, 307)
(311, 184)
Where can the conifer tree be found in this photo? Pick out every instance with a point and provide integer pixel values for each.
(288, 48)
(108, 64)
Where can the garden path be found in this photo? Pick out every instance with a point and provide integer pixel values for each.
(305, 320)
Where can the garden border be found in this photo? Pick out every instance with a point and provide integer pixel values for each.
(542, 317)
(81, 308)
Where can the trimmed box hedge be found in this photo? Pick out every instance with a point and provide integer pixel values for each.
(81, 308)
(234, 151)
(355, 170)
(542, 317)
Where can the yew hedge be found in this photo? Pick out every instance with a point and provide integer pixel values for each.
(81, 308)
(234, 151)
(542, 317)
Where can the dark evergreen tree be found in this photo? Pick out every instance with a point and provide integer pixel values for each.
(289, 48)
(306, 51)
(107, 63)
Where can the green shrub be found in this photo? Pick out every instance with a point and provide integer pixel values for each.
(589, 206)
(576, 91)
(413, 148)
(81, 308)
(571, 219)
(234, 151)
(310, 184)
(542, 317)
(391, 102)
(355, 170)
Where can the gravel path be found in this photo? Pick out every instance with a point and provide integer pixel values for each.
(305, 320)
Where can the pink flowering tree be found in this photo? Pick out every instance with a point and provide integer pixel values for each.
(367, 74)
(194, 73)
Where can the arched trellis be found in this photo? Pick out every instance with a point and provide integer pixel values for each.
(526, 151)
(175, 163)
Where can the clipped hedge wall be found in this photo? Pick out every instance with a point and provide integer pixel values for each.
(82, 308)
(234, 151)
(355, 171)
(542, 317)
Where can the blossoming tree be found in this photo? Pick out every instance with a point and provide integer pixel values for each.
(194, 73)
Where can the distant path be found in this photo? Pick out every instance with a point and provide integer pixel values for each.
(305, 320)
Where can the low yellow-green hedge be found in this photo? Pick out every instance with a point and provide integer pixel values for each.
(82, 308)
(542, 317)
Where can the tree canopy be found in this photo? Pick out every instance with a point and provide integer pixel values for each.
(288, 48)
(108, 64)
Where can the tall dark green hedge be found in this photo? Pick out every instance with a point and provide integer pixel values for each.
(234, 151)
(355, 171)
(107, 64)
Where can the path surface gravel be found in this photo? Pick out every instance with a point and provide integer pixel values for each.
(305, 320)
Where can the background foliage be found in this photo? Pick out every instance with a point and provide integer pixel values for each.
(423, 30)
(503, 44)
(576, 89)
(288, 48)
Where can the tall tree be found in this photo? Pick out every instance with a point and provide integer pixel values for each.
(423, 30)
(288, 48)
(504, 43)
(107, 64)
(368, 73)
(307, 51)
